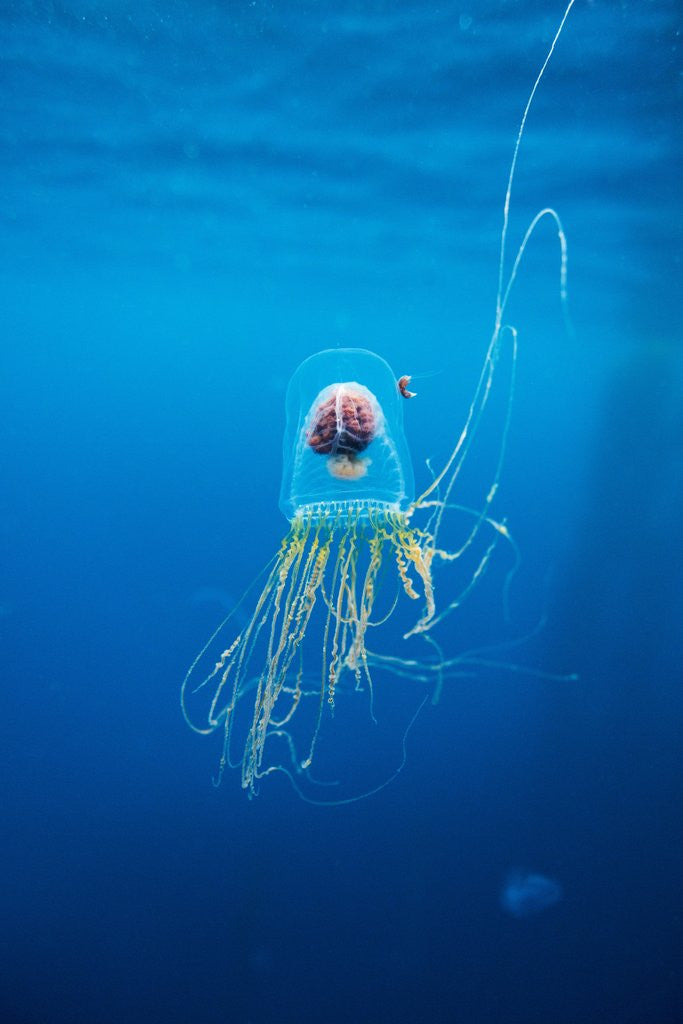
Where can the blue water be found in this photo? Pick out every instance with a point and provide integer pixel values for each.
(194, 197)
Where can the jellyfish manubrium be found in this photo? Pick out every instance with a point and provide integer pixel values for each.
(360, 556)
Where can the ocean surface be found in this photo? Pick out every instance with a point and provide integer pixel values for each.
(194, 197)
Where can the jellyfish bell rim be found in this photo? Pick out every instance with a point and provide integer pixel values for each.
(361, 509)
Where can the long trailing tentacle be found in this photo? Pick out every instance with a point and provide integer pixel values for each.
(437, 494)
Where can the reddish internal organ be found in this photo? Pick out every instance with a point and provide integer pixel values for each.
(343, 424)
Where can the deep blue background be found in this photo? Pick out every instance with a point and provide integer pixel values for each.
(193, 198)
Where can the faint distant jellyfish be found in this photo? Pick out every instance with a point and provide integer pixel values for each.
(525, 894)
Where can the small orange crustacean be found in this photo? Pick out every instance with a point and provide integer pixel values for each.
(403, 383)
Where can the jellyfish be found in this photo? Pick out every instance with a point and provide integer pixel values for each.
(361, 551)
(360, 556)
(526, 893)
